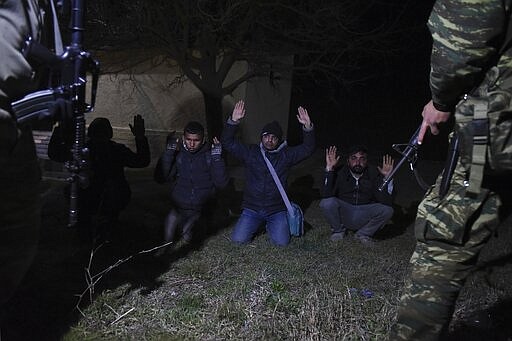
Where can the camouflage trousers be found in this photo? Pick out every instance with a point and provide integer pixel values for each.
(450, 234)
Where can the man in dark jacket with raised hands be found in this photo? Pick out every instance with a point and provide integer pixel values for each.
(196, 170)
(262, 202)
(352, 199)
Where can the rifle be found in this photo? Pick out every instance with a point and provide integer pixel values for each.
(409, 153)
(66, 102)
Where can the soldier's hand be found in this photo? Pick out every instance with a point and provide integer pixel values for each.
(431, 118)
(137, 128)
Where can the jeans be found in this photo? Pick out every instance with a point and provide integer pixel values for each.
(185, 218)
(365, 219)
(250, 222)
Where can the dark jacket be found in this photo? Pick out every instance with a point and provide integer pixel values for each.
(194, 176)
(261, 193)
(344, 186)
(108, 188)
(108, 160)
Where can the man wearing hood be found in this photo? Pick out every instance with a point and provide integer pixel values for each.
(196, 171)
(262, 203)
(352, 199)
(107, 192)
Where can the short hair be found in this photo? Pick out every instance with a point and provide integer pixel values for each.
(194, 127)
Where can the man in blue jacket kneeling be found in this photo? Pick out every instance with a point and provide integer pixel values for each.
(262, 203)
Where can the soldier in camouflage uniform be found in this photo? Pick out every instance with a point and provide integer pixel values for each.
(469, 37)
(19, 168)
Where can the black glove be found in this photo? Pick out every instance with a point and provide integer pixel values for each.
(172, 142)
(216, 151)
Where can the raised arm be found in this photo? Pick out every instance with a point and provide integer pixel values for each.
(331, 158)
(304, 150)
(331, 161)
(227, 139)
(162, 172)
(385, 196)
(238, 111)
(303, 118)
(387, 165)
(142, 157)
(218, 170)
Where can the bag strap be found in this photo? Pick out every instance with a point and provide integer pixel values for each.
(59, 49)
(277, 181)
(480, 124)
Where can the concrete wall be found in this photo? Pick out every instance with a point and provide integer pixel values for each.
(266, 101)
(147, 90)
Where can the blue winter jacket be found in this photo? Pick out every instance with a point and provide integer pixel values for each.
(261, 193)
(194, 176)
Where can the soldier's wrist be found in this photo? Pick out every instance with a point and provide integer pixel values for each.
(443, 107)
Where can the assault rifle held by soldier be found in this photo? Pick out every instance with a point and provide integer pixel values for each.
(409, 154)
(66, 100)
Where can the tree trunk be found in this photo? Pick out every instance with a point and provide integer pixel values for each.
(214, 116)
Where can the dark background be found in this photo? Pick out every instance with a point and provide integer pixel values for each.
(384, 107)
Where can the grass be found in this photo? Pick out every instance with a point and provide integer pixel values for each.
(310, 290)
(314, 289)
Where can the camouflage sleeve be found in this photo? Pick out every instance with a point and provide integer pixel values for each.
(18, 20)
(466, 37)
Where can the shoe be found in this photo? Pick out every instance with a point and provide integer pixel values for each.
(336, 236)
(365, 240)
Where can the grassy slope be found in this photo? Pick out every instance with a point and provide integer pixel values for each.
(311, 290)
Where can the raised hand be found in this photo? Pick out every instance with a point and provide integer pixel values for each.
(216, 149)
(331, 158)
(303, 117)
(387, 165)
(172, 142)
(137, 128)
(238, 111)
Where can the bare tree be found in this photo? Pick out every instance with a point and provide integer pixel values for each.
(329, 39)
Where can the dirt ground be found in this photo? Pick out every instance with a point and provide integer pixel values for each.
(44, 307)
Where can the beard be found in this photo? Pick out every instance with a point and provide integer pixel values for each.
(357, 169)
